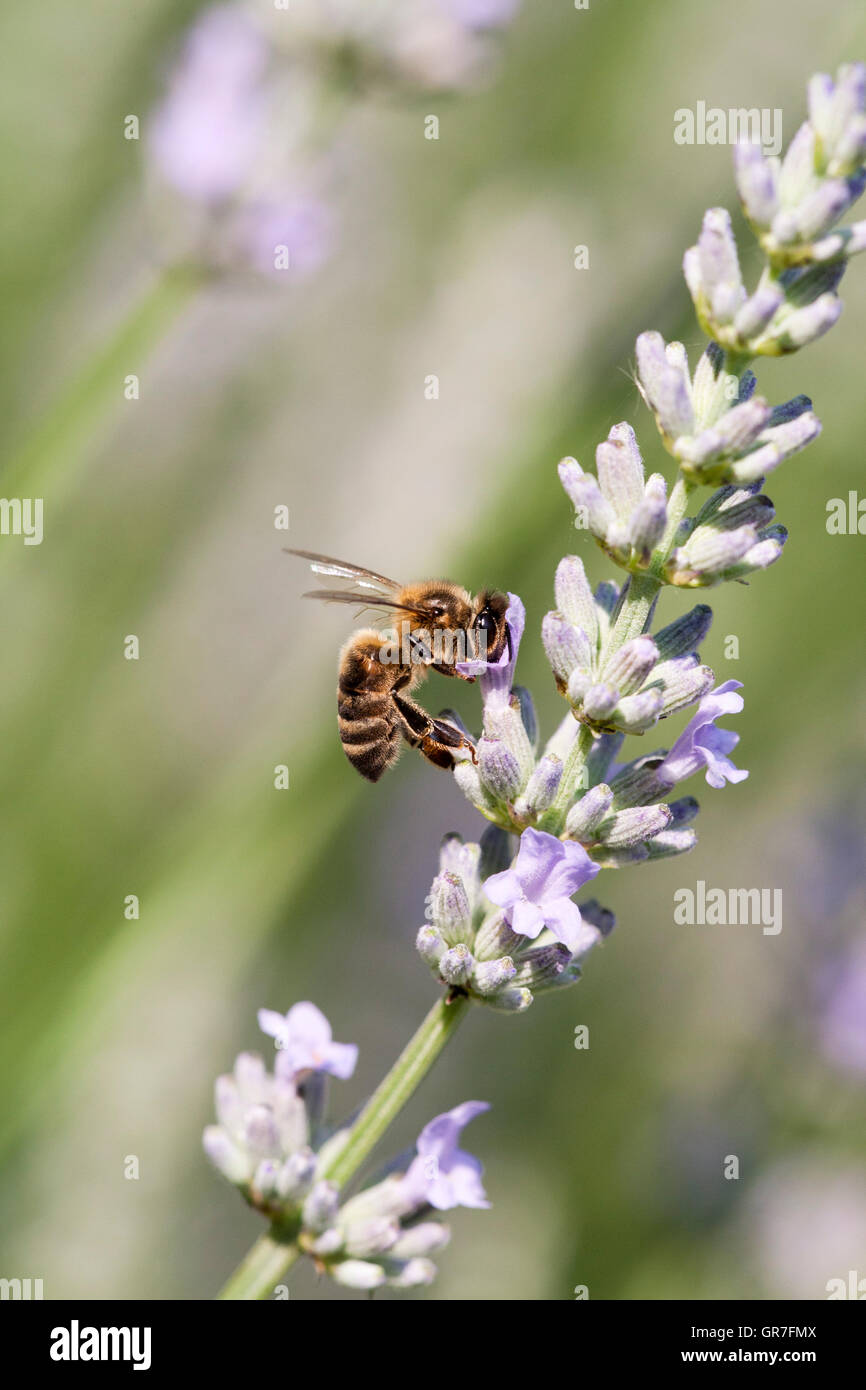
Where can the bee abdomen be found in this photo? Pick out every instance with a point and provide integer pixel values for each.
(370, 743)
(369, 729)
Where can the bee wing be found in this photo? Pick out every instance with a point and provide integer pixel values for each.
(358, 597)
(366, 581)
(369, 590)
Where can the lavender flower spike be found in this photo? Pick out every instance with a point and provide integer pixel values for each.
(441, 1175)
(536, 892)
(702, 745)
(305, 1043)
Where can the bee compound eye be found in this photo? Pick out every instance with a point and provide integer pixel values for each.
(485, 622)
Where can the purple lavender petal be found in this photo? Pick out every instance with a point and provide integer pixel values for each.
(701, 745)
(204, 135)
(302, 225)
(537, 891)
(442, 1175)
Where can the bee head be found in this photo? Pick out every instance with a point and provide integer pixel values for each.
(489, 628)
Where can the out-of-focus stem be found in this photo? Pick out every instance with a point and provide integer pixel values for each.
(265, 1264)
(52, 456)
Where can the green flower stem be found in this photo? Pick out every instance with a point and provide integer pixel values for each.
(58, 446)
(635, 612)
(265, 1264)
(554, 819)
(272, 1256)
(391, 1095)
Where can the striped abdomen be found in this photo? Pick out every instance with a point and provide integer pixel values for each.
(370, 729)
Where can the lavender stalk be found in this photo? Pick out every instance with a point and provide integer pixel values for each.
(504, 926)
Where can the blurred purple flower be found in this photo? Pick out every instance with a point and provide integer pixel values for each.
(701, 744)
(290, 235)
(305, 1042)
(497, 677)
(482, 14)
(536, 892)
(205, 134)
(843, 1020)
(441, 1175)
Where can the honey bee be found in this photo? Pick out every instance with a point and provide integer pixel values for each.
(439, 625)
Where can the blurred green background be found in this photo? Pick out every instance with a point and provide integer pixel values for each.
(605, 1167)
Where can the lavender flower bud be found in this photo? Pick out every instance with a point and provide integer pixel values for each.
(637, 713)
(539, 968)
(495, 939)
(712, 389)
(758, 310)
(415, 1274)
(850, 149)
(589, 812)
(566, 648)
(600, 702)
(226, 1156)
(449, 907)
(296, 1175)
(424, 1239)
(513, 1000)
(836, 113)
(366, 1239)
(649, 518)
(357, 1274)
(574, 598)
(328, 1243)
(683, 810)
(682, 681)
(542, 787)
(664, 386)
(320, 1207)
(456, 964)
(804, 325)
(671, 842)
(598, 916)
(490, 976)
(720, 280)
(639, 783)
(430, 946)
(776, 444)
(499, 770)
(505, 722)
(765, 553)
(708, 553)
(823, 209)
(466, 776)
(264, 1183)
(620, 471)
(261, 1137)
(592, 509)
(290, 1117)
(495, 851)
(579, 682)
(633, 826)
(757, 183)
(797, 174)
(684, 634)
(629, 667)
(456, 857)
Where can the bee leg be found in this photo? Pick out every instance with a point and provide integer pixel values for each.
(433, 737)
